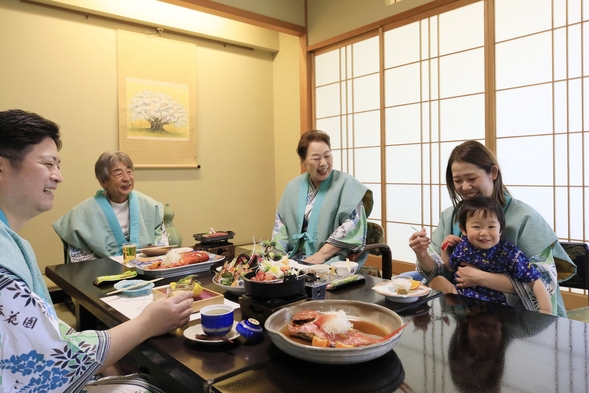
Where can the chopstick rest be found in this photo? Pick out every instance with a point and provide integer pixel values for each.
(354, 278)
(115, 277)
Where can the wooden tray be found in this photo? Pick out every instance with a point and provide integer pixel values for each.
(206, 298)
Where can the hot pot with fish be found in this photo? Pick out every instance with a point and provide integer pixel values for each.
(374, 331)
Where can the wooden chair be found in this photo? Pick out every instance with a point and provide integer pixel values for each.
(375, 245)
(579, 254)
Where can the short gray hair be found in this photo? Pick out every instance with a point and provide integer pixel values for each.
(109, 159)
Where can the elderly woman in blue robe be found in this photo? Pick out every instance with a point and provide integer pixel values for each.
(322, 215)
(99, 226)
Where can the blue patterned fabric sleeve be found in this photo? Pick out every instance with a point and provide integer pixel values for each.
(280, 234)
(40, 353)
(352, 233)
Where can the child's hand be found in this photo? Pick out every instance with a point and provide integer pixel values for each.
(450, 242)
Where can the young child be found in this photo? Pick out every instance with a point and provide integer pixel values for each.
(481, 220)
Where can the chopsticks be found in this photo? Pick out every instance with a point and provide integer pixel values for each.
(142, 284)
(209, 338)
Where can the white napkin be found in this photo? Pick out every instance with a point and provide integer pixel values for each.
(131, 307)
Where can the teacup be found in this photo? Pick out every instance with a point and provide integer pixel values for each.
(179, 288)
(341, 268)
(129, 252)
(402, 283)
(217, 319)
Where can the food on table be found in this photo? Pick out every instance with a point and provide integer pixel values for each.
(333, 329)
(175, 259)
(212, 234)
(189, 282)
(415, 284)
(402, 284)
(272, 270)
(269, 251)
(230, 273)
(178, 289)
(319, 342)
(197, 289)
(269, 265)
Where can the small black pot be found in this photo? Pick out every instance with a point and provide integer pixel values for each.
(260, 290)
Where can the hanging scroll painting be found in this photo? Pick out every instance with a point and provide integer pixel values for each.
(157, 101)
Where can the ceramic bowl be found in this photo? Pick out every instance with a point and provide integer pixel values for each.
(341, 268)
(385, 318)
(217, 319)
(250, 329)
(319, 269)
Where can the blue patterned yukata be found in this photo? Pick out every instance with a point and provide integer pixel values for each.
(335, 212)
(503, 257)
(39, 352)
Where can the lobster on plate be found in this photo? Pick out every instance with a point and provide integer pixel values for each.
(176, 259)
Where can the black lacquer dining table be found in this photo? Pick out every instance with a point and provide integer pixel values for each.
(452, 344)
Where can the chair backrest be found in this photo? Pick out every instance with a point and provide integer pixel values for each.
(66, 254)
(374, 234)
(375, 245)
(579, 254)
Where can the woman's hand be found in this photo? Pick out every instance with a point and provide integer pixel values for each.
(419, 243)
(314, 259)
(167, 314)
(327, 251)
(468, 276)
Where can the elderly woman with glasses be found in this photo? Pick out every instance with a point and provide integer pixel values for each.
(99, 226)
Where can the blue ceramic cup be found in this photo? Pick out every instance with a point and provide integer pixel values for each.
(216, 320)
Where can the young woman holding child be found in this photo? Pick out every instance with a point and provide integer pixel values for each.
(473, 170)
(481, 220)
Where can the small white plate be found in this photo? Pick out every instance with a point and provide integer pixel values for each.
(296, 265)
(384, 288)
(192, 331)
(141, 291)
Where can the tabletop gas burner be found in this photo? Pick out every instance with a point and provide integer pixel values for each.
(216, 243)
(262, 309)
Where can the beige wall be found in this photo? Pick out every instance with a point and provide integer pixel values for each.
(330, 18)
(63, 67)
(292, 11)
(286, 113)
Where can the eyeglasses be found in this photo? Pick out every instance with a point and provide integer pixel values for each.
(118, 173)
